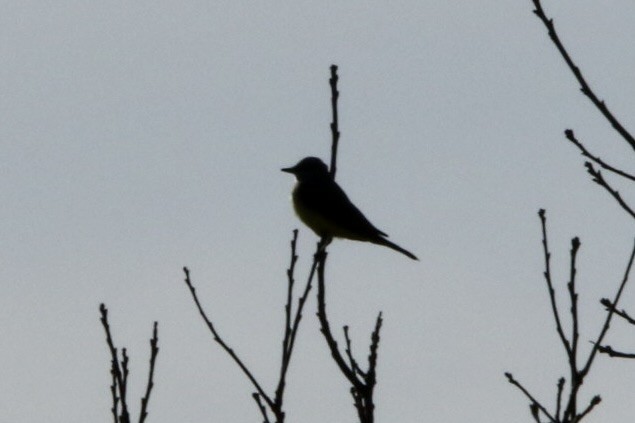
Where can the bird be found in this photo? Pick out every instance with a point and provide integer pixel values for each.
(325, 208)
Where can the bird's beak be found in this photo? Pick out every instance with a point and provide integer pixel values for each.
(288, 169)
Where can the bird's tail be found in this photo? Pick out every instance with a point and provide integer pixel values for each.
(385, 242)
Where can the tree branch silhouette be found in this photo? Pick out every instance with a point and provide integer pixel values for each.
(601, 106)
(362, 382)
(571, 137)
(578, 372)
(584, 86)
(569, 413)
(119, 372)
(335, 131)
(274, 404)
(154, 351)
(598, 178)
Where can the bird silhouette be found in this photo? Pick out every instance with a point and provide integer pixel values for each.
(324, 207)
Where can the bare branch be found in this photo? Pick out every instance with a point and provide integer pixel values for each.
(531, 398)
(222, 343)
(571, 137)
(607, 349)
(326, 327)
(123, 389)
(261, 407)
(154, 351)
(584, 86)
(622, 313)
(559, 397)
(349, 353)
(599, 179)
(118, 376)
(552, 292)
(334, 123)
(575, 246)
(594, 401)
(609, 315)
(291, 331)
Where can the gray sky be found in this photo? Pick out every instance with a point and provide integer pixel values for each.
(138, 137)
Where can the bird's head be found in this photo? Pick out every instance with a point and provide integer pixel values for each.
(308, 168)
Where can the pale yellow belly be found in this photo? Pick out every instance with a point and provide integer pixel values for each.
(322, 226)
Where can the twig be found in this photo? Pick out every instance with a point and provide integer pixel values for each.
(622, 313)
(120, 371)
(571, 137)
(154, 351)
(326, 327)
(609, 316)
(349, 353)
(531, 398)
(288, 339)
(291, 331)
(222, 343)
(261, 407)
(290, 284)
(118, 377)
(115, 398)
(575, 246)
(292, 324)
(123, 388)
(599, 179)
(594, 401)
(371, 376)
(584, 86)
(607, 349)
(362, 383)
(552, 292)
(334, 123)
(559, 397)
(578, 375)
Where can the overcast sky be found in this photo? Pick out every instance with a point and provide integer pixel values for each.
(139, 137)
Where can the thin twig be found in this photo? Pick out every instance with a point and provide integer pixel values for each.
(349, 353)
(559, 397)
(326, 327)
(334, 123)
(222, 343)
(371, 376)
(575, 246)
(123, 389)
(261, 407)
(622, 313)
(552, 292)
(287, 341)
(154, 351)
(607, 349)
(119, 378)
(584, 86)
(291, 331)
(362, 383)
(599, 179)
(289, 303)
(372, 357)
(594, 401)
(609, 315)
(531, 398)
(115, 398)
(571, 137)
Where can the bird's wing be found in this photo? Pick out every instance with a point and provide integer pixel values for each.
(328, 200)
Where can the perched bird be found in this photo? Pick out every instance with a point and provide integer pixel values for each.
(324, 207)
